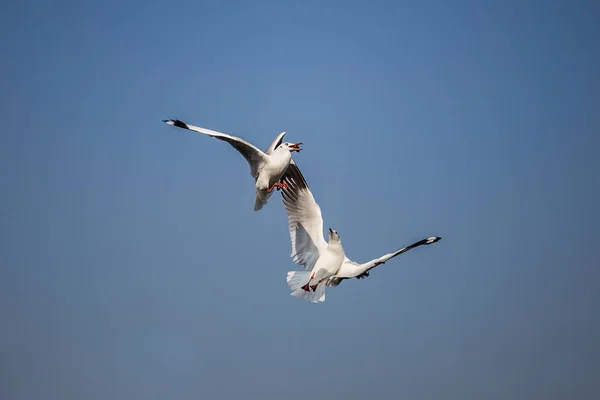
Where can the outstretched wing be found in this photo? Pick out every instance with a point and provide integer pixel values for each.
(304, 219)
(275, 143)
(251, 153)
(351, 269)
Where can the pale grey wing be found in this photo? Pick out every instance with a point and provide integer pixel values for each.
(351, 269)
(304, 219)
(255, 157)
(275, 143)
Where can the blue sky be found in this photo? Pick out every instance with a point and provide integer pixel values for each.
(133, 267)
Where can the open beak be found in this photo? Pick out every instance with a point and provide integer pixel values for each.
(296, 147)
(330, 231)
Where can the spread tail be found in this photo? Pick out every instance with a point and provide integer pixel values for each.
(261, 199)
(297, 281)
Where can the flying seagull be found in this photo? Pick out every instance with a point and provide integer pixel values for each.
(325, 263)
(266, 168)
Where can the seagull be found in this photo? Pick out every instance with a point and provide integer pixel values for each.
(266, 168)
(325, 263)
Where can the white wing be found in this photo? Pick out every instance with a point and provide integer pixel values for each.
(304, 218)
(275, 143)
(351, 269)
(251, 153)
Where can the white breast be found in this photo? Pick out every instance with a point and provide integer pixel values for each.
(277, 165)
(330, 261)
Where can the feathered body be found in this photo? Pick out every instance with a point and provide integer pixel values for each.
(267, 168)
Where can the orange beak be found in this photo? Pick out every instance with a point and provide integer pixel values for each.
(295, 147)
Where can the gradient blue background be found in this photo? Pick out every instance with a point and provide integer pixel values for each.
(133, 267)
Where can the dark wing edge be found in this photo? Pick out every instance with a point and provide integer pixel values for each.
(294, 178)
(253, 155)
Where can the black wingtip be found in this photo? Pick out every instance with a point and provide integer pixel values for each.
(176, 122)
(429, 240)
(294, 177)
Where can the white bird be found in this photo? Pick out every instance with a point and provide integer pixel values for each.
(267, 168)
(325, 264)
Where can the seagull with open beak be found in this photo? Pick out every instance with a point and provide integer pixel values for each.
(267, 168)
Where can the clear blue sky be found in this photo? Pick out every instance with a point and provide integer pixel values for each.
(133, 266)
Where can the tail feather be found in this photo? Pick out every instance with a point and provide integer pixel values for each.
(262, 196)
(297, 279)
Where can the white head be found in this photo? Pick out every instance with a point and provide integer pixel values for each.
(291, 147)
(334, 236)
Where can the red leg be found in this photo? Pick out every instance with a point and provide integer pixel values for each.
(282, 185)
(278, 185)
(314, 287)
(275, 185)
(308, 286)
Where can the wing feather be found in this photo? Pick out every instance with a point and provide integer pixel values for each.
(255, 157)
(304, 219)
(275, 143)
(351, 269)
